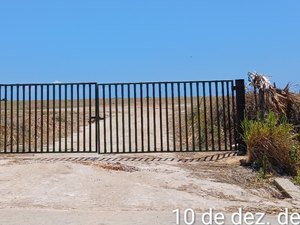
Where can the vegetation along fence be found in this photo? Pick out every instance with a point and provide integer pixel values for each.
(187, 116)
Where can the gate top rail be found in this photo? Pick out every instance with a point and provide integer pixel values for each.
(118, 83)
(163, 82)
(58, 83)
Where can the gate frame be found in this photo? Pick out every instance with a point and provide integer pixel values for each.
(238, 90)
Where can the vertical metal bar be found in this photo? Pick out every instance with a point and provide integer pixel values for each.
(104, 115)
(211, 117)
(97, 133)
(192, 115)
(228, 114)
(53, 116)
(18, 114)
(90, 115)
(42, 117)
(218, 115)
(72, 112)
(48, 96)
(5, 118)
(160, 118)
(59, 114)
(234, 112)
(154, 116)
(129, 117)
(11, 118)
(123, 118)
(35, 118)
(173, 117)
(98, 136)
(110, 119)
(78, 117)
(186, 118)
(205, 116)
(148, 118)
(199, 118)
(142, 117)
(23, 120)
(29, 121)
(1, 116)
(224, 117)
(117, 117)
(135, 118)
(167, 116)
(2, 87)
(179, 116)
(66, 118)
(84, 122)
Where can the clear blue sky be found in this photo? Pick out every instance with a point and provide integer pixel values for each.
(148, 40)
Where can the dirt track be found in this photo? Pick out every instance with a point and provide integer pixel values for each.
(77, 184)
(133, 189)
(117, 132)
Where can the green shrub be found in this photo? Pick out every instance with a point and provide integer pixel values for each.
(272, 144)
(297, 178)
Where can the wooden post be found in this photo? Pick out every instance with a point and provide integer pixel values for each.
(262, 104)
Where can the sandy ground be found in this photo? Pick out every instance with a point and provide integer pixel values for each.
(133, 189)
(129, 189)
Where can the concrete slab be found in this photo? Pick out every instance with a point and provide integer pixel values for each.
(288, 188)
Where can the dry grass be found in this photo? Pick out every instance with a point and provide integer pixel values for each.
(272, 136)
(272, 144)
(29, 127)
(210, 126)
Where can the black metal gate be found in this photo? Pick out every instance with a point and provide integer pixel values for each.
(41, 118)
(187, 116)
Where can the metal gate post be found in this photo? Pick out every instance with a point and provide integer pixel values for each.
(240, 114)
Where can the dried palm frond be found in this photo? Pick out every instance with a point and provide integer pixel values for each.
(281, 101)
